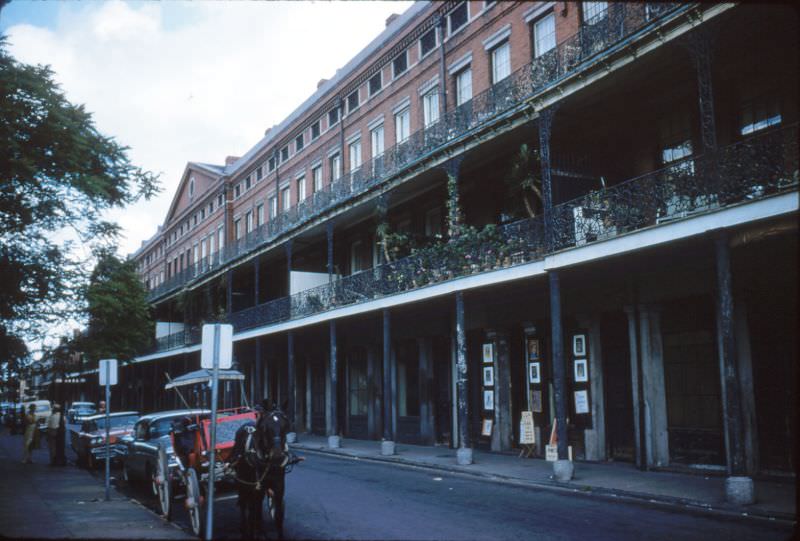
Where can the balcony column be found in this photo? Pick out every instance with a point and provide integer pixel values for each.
(229, 291)
(464, 453)
(654, 393)
(502, 431)
(563, 468)
(455, 217)
(309, 398)
(426, 398)
(256, 279)
(636, 385)
(334, 441)
(387, 444)
(739, 487)
(699, 44)
(291, 387)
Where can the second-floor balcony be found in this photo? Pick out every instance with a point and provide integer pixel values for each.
(758, 168)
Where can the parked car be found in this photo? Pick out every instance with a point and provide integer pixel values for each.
(42, 412)
(14, 419)
(141, 454)
(89, 442)
(80, 409)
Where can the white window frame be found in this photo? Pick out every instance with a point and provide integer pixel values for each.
(501, 69)
(286, 198)
(593, 12)
(450, 31)
(461, 99)
(354, 153)
(301, 187)
(430, 107)
(540, 41)
(402, 125)
(272, 201)
(436, 39)
(394, 74)
(316, 178)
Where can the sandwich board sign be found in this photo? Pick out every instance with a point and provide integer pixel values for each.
(217, 339)
(108, 372)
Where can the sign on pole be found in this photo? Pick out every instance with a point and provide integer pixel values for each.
(108, 373)
(108, 377)
(224, 345)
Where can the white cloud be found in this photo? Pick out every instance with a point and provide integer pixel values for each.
(194, 81)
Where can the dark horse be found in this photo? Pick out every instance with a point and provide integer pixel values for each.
(260, 457)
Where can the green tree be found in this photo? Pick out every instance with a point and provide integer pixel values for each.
(119, 316)
(58, 178)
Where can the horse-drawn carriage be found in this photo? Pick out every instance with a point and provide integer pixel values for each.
(250, 454)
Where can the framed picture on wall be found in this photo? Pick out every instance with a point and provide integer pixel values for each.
(488, 353)
(533, 349)
(488, 399)
(486, 427)
(536, 401)
(579, 345)
(488, 376)
(581, 371)
(534, 373)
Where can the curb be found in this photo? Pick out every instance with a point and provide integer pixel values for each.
(694, 507)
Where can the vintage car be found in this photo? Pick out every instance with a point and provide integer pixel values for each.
(80, 409)
(89, 442)
(141, 447)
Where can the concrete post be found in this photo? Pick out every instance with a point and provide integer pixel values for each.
(654, 393)
(334, 441)
(745, 362)
(502, 432)
(309, 397)
(630, 311)
(291, 388)
(387, 445)
(595, 437)
(739, 487)
(425, 347)
(371, 430)
(563, 468)
(464, 453)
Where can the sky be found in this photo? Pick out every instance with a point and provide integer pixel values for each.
(188, 81)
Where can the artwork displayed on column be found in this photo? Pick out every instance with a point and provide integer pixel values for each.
(536, 401)
(534, 373)
(581, 371)
(486, 427)
(488, 399)
(488, 376)
(579, 345)
(533, 349)
(488, 353)
(581, 402)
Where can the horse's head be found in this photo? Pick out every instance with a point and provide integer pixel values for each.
(271, 430)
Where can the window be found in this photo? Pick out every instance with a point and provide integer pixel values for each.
(457, 18)
(333, 116)
(237, 228)
(430, 107)
(358, 387)
(544, 35)
(259, 173)
(203, 249)
(194, 219)
(248, 221)
(501, 62)
(260, 215)
(760, 113)
(301, 188)
(273, 207)
(433, 223)
(210, 208)
(237, 191)
(335, 165)
(219, 200)
(676, 137)
(191, 187)
(352, 101)
(284, 153)
(427, 42)
(220, 237)
(407, 381)
(202, 214)
(375, 83)
(354, 151)
(247, 183)
(356, 259)
(299, 143)
(463, 86)
(400, 64)
(315, 130)
(376, 138)
(286, 198)
(402, 127)
(594, 12)
(316, 175)
(271, 164)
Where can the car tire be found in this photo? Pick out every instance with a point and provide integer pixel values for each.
(126, 475)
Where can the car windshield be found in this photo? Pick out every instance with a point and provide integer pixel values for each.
(120, 421)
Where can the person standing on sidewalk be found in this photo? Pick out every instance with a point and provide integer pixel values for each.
(101, 407)
(61, 442)
(30, 434)
(53, 422)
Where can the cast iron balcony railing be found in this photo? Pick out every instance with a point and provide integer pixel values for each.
(759, 167)
(617, 22)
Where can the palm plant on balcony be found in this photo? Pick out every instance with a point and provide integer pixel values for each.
(523, 185)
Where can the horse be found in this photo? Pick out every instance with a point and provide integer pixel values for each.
(259, 459)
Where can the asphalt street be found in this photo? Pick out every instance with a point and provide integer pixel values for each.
(332, 498)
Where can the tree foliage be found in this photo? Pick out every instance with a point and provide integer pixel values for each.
(58, 178)
(523, 184)
(119, 316)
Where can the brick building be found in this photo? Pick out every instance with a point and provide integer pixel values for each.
(585, 210)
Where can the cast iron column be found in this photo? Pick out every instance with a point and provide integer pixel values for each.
(229, 291)
(387, 445)
(256, 279)
(291, 386)
(329, 238)
(738, 487)
(464, 453)
(258, 378)
(333, 438)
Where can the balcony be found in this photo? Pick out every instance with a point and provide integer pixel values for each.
(757, 168)
(510, 95)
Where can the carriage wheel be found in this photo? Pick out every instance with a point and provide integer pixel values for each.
(194, 503)
(163, 485)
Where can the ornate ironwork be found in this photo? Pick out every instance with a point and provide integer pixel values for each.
(576, 52)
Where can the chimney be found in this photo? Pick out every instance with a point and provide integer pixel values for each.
(230, 160)
(390, 19)
(321, 82)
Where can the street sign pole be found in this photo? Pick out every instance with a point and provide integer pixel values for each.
(213, 447)
(108, 463)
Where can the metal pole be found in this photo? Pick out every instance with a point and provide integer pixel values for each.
(388, 399)
(108, 463)
(212, 448)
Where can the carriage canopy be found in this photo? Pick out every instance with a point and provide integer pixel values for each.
(204, 375)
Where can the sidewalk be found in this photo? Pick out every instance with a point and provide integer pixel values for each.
(41, 501)
(704, 493)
